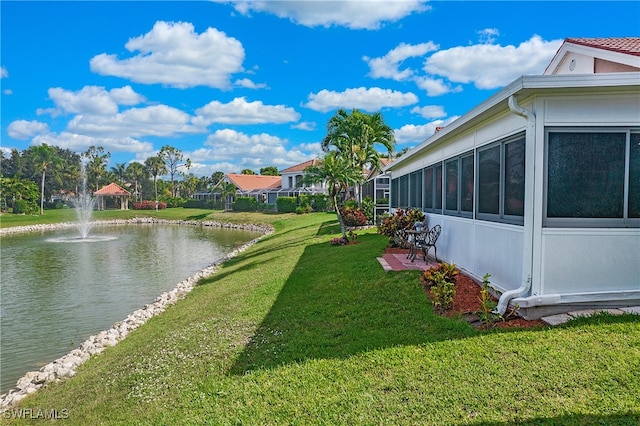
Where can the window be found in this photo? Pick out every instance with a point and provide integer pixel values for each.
(459, 184)
(432, 176)
(592, 178)
(501, 168)
(634, 176)
(415, 189)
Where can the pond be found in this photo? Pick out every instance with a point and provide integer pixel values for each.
(56, 293)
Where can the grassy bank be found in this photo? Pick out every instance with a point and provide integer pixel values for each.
(296, 331)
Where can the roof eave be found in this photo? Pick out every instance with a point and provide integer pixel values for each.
(525, 86)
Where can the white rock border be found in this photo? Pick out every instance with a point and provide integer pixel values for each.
(67, 365)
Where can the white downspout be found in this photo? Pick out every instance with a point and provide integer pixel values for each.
(505, 298)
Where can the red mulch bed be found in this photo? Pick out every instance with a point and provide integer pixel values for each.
(466, 303)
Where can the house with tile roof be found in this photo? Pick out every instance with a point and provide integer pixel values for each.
(539, 185)
(112, 191)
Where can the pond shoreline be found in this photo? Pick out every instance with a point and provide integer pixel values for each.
(65, 366)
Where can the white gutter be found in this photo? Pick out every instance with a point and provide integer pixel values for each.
(505, 298)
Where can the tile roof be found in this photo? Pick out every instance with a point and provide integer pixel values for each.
(112, 189)
(627, 45)
(299, 167)
(252, 182)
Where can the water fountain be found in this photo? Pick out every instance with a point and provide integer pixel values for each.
(84, 204)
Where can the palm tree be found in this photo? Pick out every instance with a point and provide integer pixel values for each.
(119, 171)
(137, 172)
(338, 174)
(155, 166)
(44, 158)
(96, 164)
(354, 136)
(228, 190)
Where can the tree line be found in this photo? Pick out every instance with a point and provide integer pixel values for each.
(39, 176)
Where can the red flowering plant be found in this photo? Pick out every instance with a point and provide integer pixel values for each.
(353, 216)
(402, 219)
(149, 205)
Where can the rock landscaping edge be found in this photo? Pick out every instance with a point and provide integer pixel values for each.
(65, 367)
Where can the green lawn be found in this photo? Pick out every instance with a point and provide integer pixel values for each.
(296, 331)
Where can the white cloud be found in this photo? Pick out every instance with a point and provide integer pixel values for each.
(387, 66)
(435, 86)
(430, 111)
(490, 66)
(7, 92)
(23, 130)
(3, 72)
(362, 14)
(239, 111)
(488, 35)
(248, 84)
(411, 133)
(91, 100)
(368, 99)
(157, 120)
(174, 55)
(238, 150)
(305, 125)
(78, 143)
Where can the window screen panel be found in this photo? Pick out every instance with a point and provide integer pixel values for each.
(514, 163)
(451, 198)
(466, 190)
(634, 176)
(428, 188)
(489, 180)
(585, 175)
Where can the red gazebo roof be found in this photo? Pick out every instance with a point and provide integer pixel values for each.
(112, 189)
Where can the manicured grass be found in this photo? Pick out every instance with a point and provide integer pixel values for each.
(296, 331)
(69, 215)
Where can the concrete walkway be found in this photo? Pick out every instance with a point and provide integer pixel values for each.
(562, 318)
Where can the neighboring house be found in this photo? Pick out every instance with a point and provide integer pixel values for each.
(539, 185)
(253, 185)
(112, 191)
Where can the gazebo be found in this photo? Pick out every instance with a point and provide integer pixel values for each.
(112, 190)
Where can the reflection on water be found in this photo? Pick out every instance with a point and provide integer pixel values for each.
(54, 294)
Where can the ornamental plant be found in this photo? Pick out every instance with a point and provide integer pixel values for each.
(487, 312)
(149, 205)
(353, 216)
(402, 219)
(440, 281)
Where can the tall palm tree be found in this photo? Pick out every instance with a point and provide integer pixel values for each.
(44, 158)
(355, 136)
(155, 166)
(338, 174)
(137, 172)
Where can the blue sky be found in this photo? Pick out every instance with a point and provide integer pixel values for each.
(250, 84)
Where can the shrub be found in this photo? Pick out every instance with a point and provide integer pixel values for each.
(149, 205)
(173, 201)
(353, 216)
(286, 204)
(487, 314)
(440, 281)
(319, 202)
(339, 241)
(245, 204)
(304, 209)
(448, 271)
(400, 220)
(367, 208)
(195, 204)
